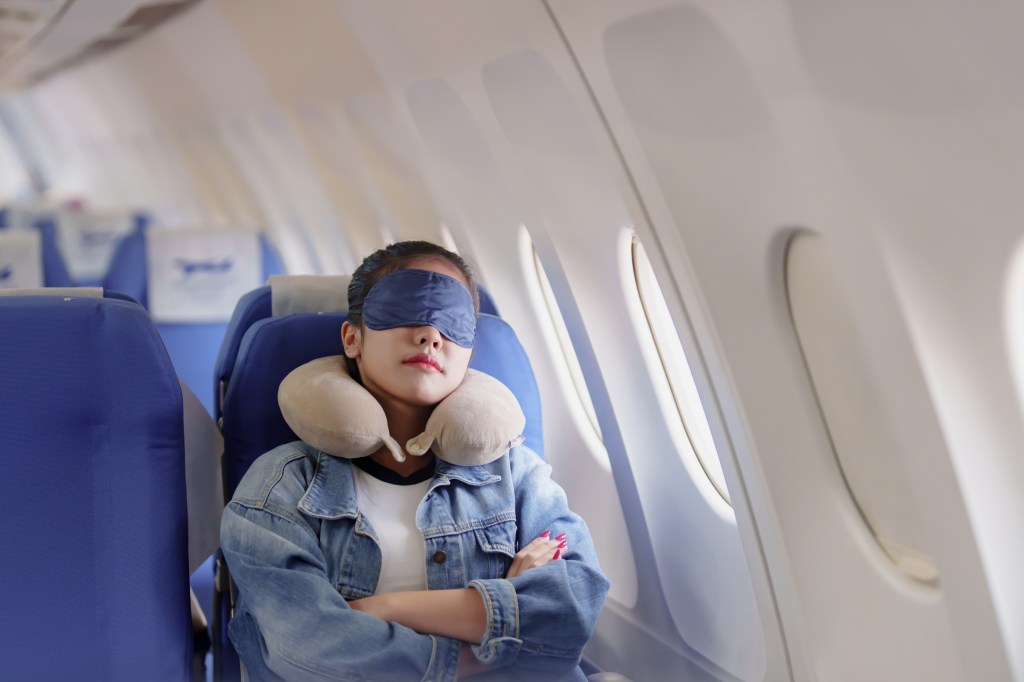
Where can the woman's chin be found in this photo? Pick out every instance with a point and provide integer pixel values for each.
(425, 396)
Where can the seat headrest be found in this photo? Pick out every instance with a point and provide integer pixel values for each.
(73, 292)
(87, 238)
(21, 259)
(309, 294)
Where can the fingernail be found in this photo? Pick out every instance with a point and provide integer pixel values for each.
(560, 537)
(558, 553)
(563, 544)
(545, 534)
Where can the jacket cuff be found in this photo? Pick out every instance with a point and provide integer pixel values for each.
(500, 644)
(444, 660)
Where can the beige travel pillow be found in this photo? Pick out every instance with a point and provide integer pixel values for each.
(476, 424)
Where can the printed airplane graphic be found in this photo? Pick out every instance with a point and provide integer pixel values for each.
(209, 266)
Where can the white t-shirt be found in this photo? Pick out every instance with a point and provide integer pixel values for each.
(390, 508)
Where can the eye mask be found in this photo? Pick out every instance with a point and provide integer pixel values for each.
(411, 298)
(476, 424)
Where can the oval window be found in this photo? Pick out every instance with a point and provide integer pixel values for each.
(561, 333)
(677, 368)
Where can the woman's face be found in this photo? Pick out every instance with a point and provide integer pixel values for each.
(412, 365)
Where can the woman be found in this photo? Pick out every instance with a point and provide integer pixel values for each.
(328, 553)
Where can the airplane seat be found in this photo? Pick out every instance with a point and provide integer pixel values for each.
(21, 259)
(32, 251)
(88, 239)
(252, 307)
(487, 306)
(252, 423)
(127, 271)
(95, 567)
(284, 295)
(189, 280)
(55, 269)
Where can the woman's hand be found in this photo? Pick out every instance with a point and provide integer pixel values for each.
(537, 553)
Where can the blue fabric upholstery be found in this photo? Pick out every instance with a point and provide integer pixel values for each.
(499, 353)
(251, 308)
(92, 498)
(127, 272)
(272, 263)
(271, 349)
(55, 270)
(487, 306)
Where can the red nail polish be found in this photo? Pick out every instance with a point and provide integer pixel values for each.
(560, 537)
(563, 544)
(558, 553)
(545, 534)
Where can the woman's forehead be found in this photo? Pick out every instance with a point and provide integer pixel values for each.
(437, 264)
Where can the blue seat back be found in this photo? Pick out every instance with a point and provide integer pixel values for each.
(499, 352)
(92, 499)
(128, 272)
(487, 306)
(193, 347)
(254, 306)
(271, 349)
(55, 269)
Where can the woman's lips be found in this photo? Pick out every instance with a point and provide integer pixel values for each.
(425, 361)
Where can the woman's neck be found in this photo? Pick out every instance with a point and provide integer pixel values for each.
(404, 423)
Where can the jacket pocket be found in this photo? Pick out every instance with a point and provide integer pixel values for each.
(497, 546)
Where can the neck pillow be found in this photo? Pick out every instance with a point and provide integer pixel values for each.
(476, 424)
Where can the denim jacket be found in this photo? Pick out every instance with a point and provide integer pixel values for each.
(298, 548)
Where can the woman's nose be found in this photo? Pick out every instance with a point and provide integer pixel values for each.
(429, 336)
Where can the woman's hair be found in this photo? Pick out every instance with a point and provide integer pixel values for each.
(393, 258)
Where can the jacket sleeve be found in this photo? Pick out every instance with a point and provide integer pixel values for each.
(296, 622)
(539, 621)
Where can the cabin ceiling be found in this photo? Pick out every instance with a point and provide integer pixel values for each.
(41, 37)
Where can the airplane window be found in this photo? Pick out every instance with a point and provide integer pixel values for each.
(677, 369)
(858, 427)
(561, 333)
(1014, 316)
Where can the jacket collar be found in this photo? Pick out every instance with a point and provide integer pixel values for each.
(444, 472)
(332, 492)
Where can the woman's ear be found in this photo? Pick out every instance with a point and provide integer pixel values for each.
(351, 340)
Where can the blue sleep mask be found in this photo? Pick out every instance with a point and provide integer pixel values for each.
(412, 298)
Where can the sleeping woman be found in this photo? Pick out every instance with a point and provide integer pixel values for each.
(370, 568)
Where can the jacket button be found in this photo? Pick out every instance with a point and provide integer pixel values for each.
(439, 557)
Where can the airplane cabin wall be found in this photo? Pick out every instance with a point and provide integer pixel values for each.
(768, 161)
(753, 140)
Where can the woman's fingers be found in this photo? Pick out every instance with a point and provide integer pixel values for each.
(538, 552)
